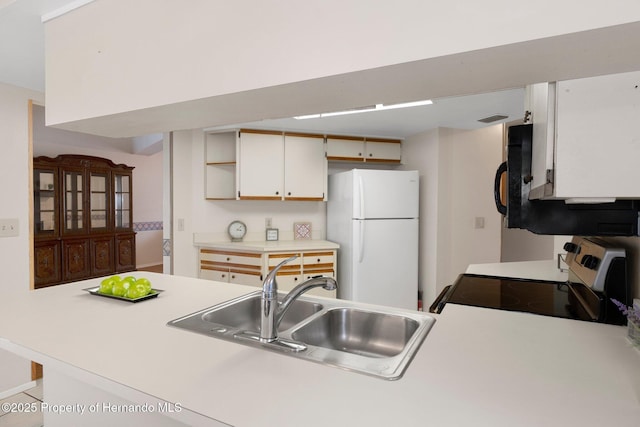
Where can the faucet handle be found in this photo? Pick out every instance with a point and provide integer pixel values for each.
(270, 286)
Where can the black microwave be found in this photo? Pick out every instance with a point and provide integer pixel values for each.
(619, 218)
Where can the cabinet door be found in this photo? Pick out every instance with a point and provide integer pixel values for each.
(541, 102)
(345, 148)
(99, 203)
(383, 150)
(47, 263)
(45, 208)
(125, 252)
(102, 256)
(598, 137)
(305, 167)
(75, 254)
(123, 202)
(73, 201)
(260, 166)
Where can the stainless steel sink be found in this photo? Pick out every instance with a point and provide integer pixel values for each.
(373, 340)
(242, 314)
(365, 333)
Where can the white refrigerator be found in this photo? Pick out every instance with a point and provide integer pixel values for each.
(373, 215)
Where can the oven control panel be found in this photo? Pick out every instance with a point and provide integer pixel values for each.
(589, 260)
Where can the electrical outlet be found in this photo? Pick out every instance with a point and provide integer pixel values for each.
(479, 222)
(267, 222)
(9, 227)
(180, 224)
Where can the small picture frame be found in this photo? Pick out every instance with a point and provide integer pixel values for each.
(302, 230)
(271, 234)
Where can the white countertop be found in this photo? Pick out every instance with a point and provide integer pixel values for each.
(536, 270)
(271, 246)
(477, 367)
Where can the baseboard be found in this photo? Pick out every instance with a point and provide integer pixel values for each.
(18, 389)
(153, 264)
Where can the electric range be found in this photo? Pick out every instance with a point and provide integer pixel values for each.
(597, 274)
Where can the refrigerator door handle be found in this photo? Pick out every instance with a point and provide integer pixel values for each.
(361, 197)
(361, 250)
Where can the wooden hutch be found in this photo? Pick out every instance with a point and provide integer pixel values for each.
(83, 221)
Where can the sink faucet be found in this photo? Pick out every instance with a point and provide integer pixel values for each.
(271, 313)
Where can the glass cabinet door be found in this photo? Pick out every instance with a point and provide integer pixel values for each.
(73, 210)
(122, 195)
(99, 201)
(44, 206)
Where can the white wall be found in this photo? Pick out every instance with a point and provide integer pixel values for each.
(15, 260)
(457, 169)
(231, 62)
(523, 245)
(147, 178)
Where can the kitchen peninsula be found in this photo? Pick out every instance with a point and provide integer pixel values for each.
(477, 367)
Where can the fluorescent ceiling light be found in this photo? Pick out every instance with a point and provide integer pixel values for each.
(377, 107)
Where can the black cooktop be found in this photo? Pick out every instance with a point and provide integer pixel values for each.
(503, 293)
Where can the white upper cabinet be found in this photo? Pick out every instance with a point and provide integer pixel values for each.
(261, 165)
(277, 166)
(345, 148)
(254, 164)
(305, 167)
(586, 138)
(360, 149)
(541, 101)
(383, 150)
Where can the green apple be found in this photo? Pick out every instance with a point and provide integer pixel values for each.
(133, 293)
(128, 281)
(118, 289)
(106, 286)
(143, 286)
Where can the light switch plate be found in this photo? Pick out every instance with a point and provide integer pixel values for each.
(9, 227)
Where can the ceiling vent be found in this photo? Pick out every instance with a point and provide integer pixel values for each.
(493, 118)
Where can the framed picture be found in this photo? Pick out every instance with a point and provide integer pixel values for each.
(272, 234)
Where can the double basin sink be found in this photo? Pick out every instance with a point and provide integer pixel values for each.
(378, 341)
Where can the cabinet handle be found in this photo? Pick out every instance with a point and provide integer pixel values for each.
(228, 259)
(370, 154)
(289, 193)
(233, 276)
(224, 275)
(318, 259)
(277, 193)
(359, 154)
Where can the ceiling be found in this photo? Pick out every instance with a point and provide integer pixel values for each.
(22, 64)
(455, 112)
